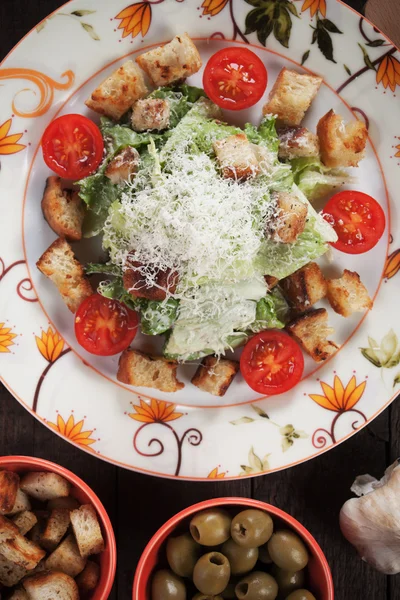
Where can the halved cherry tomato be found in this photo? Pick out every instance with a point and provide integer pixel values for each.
(358, 220)
(271, 362)
(235, 78)
(104, 326)
(72, 146)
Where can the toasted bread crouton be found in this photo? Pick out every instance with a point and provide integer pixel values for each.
(297, 142)
(341, 145)
(271, 281)
(8, 530)
(290, 219)
(22, 502)
(116, 94)
(45, 485)
(89, 578)
(18, 594)
(136, 284)
(63, 210)
(348, 294)
(9, 484)
(59, 264)
(17, 548)
(25, 520)
(311, 330)
(66, 558)
(65, 502)
(123, 166)
(171, 63)
(236, 157)
(86, 527)
(291, 96)
(151, 114)
(10, 573)
(56, 528)
(51, 586)
(305, 287)
(215, 375)
(35, 534)
(142, 370)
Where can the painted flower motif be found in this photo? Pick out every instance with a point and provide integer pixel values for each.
(389, 73)
(8, 143)
(397, 155)
(393, 261)
(50, 345)
(135, 19)
(339, 398)
(213, 7)
(256, 464)
(73, 431)
(6, 338)
(385, 355)
(314, 6)
(155, 412)
(289, 434)
(215, 474)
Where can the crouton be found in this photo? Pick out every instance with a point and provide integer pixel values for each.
(215, 375)
(66, 558)
(348, 294)
(116, 94)
(271, 281)
(236, 157)
(45, 485)
(59, 264)
(21, 503)
(51, 586)
(63, 210)
(171, 63)
(290, 219)
(56, 528)
(16, 548)
(291, 96)
(297, 142)
(87, 530)
(305, 287)
(137, 368)
(135, 282)
(151, 114)
(10, 573)
(35, 534)
(9, 484)
(25, 520)
(311, 330)
(89, 578)
(123, 166)
(64, 502)
(341, 145)
(18, 594)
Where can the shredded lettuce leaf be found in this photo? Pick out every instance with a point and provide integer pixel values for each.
(117, 136)
(98, 193)
(271, 312)
(158, 317)
(314, 179)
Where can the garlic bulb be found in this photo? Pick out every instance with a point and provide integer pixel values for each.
(372, 522)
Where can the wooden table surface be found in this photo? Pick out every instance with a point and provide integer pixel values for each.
(137, 504)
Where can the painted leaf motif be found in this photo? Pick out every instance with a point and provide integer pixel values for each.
(371, 356)
(260, 411)
(389, 344)
(325, 44)
(90, 31)
(286, 444)
(41, 26)
(82, 13)
(347, 70)
(265, 463)
(305, 57)
(291, 7)
(271, 16)
(329, 26)
(287, 430)
(242, 421)
(396, 380)
(367, 59)
(283, 27)
(299, 433)
(392, 264)
(393, 362)
(255, 461)
(375, 43)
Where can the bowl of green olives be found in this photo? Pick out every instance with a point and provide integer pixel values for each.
(232, 549)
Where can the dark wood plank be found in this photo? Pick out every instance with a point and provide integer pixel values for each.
(16, 426)
(394, 454)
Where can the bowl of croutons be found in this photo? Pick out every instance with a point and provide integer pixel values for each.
(56, 539)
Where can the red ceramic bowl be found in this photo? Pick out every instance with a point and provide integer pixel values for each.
(321, 583)
(83, 493)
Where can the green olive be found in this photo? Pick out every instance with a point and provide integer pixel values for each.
(288, 551)
(242, 560)
(210, 527)
(263, 555)
(287, 581)
(257, 586)
(182, 554)
(201, 596)
(251, 528)
(301, 595)
(167, 586)
(211, 573)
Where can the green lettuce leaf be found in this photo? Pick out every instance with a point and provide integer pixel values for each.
(271, 312)
(119, 136)
(265, 134)
(103, 268)
(158, 317)
(98, 193)
(314, 179)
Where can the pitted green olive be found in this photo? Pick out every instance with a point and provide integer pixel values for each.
(242, 560)
(210, 527)
(287, 550)
(251, 528)
(167, 586)
(211, 573)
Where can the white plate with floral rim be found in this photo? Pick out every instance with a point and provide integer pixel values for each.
(191, 434)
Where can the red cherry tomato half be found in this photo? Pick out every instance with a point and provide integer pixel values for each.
(104, 326)
(272, 362)
(358, 220)
(235, 78)
(72, 146)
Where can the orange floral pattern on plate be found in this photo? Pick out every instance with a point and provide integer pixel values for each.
(135, 19)
(392, 265)
(315, 5)
(155, 412)
(215, 474)
(50, 345)
(213, 7)
(6, 338)
(73, 431)
(339, 398)
(8, 143)
(389, 73)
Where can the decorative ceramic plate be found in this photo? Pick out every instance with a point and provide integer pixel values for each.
(191, 434)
